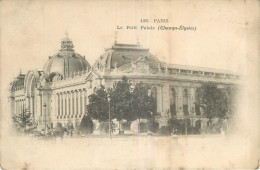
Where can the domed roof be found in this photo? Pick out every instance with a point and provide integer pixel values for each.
(65, 63)
(18, 83)
(122, 56)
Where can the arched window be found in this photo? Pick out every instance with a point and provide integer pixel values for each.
(172, 102)
(154, 97)
(185, 102)
(197, 108)
(198, 124)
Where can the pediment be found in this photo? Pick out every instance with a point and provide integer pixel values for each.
(92, 76)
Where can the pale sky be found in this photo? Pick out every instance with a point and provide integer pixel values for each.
(32, 31)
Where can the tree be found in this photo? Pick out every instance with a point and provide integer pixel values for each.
(98, 105)
(24, 123)
(86, 125)
(120, 100)
(142, 103)
(214, 101)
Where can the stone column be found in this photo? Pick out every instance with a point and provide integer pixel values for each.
(68, 103)
(63, 101)
(79, 102)
(189, 101)
(76, 102)
(59, 103)
(27, 102)
(40, 105)
(33, 106)
(83, 101)
(71, 102)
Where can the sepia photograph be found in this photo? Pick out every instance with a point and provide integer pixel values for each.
(129, 84)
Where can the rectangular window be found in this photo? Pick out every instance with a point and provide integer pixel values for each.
(173, 109)
(185, 110)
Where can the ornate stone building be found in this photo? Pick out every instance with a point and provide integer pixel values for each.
(60, 92)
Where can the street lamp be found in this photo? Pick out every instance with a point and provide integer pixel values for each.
(44, 106)
(109, 116)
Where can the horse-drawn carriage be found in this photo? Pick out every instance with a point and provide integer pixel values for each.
(51, 134)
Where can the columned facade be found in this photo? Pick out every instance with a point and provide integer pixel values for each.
(60, 94)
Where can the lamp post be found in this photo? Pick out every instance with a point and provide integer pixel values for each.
(109, 125)
(44, 106)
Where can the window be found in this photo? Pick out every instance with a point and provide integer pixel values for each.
(185, 102)
(154, 97)
(172, 102)
(198, 124)
(197, 108)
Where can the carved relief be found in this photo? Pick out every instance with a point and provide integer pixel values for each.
(140, 65)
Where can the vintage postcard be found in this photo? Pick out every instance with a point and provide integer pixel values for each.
(165, 84)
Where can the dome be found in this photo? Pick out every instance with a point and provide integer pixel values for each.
(65, 63)
(18, 83)
(122, 56)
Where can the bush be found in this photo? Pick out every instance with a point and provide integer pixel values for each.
(143, 127)
(193, 130)
(86, 125)
(153, 126)
(165, 130)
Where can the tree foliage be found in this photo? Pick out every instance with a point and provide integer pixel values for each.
(215, 102)
(24, 122)
(124, 103)
(142, 103)
(121, 98)
(98, 105)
